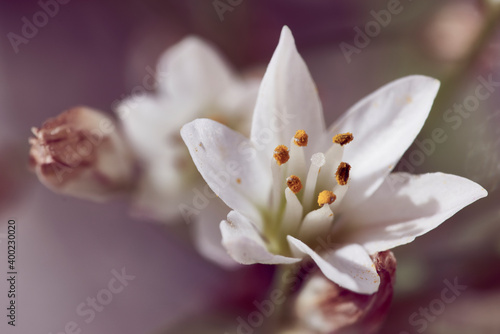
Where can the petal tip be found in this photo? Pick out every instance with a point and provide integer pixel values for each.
(286, 36)
(286, 32)
(426, 81)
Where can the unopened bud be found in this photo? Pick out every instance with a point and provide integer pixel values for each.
(453, 30)
(81, 153)
(324, 307)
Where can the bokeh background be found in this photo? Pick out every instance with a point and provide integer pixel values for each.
(95, 52)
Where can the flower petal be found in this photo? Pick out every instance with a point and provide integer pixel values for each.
(384, 125)
(317, 222)
(152, 124)
(288, 99)
(207, 235)
(407, 206)
(293, 213)
(193, 69)
(245, 245)
(349, 266)
(226, 161)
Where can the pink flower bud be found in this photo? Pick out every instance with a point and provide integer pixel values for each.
(324, 307)
(81, 153)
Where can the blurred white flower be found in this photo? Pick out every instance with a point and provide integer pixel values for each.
(193, 81)
(81, 153)
(284, 206)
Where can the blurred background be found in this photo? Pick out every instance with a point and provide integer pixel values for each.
(95, 52)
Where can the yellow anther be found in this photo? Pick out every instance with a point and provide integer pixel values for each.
(342, 174)
(293, 182)
(281, 154)
(326, 197)
(343, 138)
(301, 138)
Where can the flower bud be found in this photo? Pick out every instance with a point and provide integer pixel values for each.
(324, 307)
(81, 153)
(453, 29)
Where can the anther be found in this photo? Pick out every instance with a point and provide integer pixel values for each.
(343, 138)
(301, 138)
(326, 197)
(293, 182)
(342, 174)
(281, 154)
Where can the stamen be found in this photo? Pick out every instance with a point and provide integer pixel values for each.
(281, 154)
(326, 197)
(294, 183)
(317, 161)
(342, 174)
(343, 138)
(301, 138)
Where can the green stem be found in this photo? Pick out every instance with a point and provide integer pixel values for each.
(281, 287)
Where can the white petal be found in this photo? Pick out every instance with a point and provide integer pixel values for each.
(407, 206)
(317, 222)
(297, 164)
(288, 99)
(384, 125)
(226, 162)
(152, 124)
(160, 193)
(340, 192)
(349, 266)
(333, 158)
(207, 235)
(318, 160)
(293, 213)
(236, 104)
(193, 69)
(244, 243)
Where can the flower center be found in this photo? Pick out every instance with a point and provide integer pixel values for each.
(305, 195)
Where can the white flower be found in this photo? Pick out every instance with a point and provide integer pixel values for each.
(273, 222)
(193, 81)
